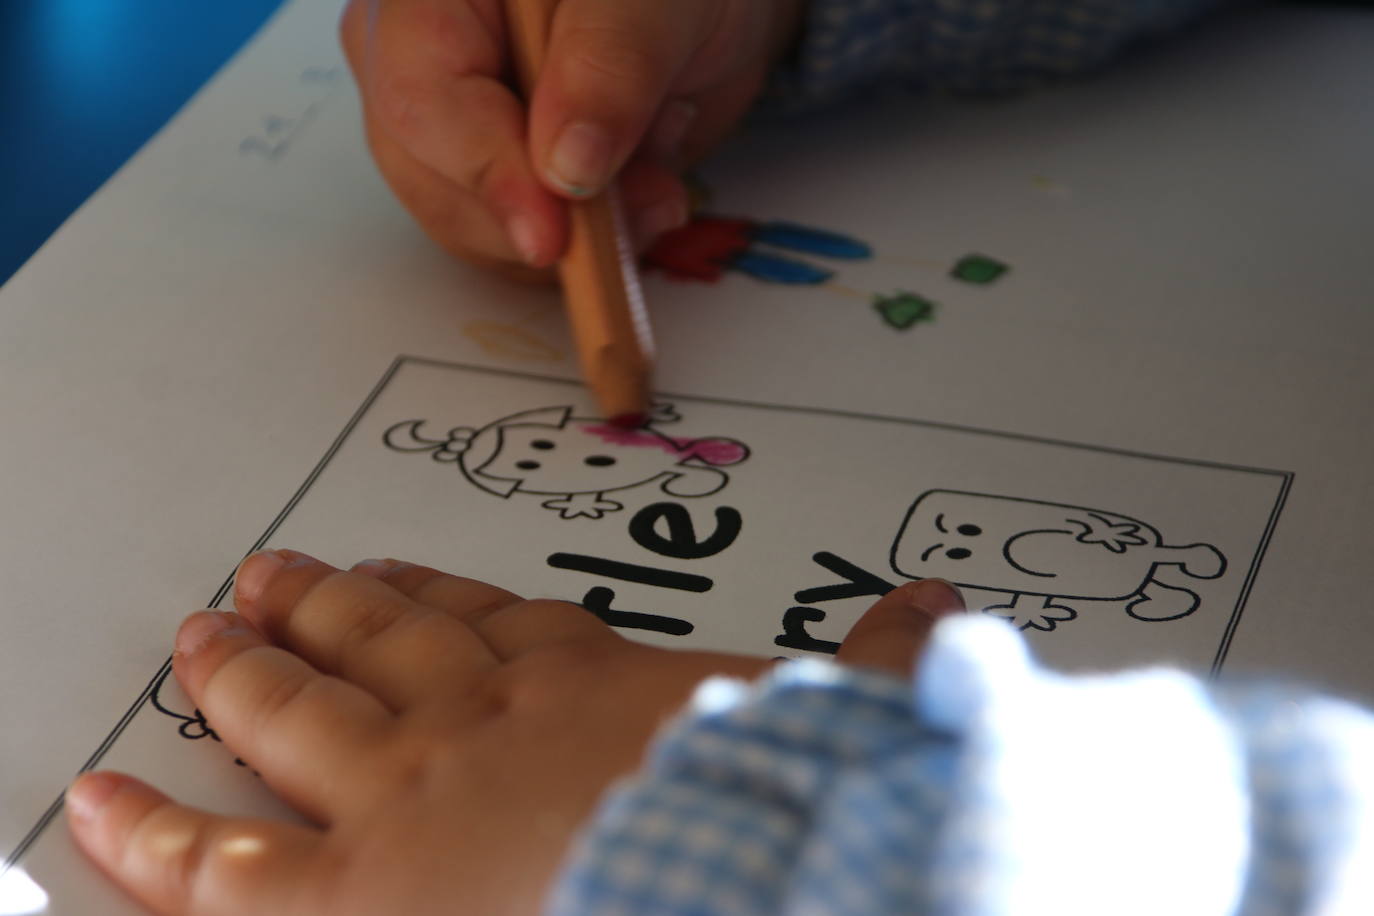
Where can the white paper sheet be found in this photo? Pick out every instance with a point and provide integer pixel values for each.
(1166, 397)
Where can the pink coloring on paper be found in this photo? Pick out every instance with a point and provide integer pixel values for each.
(715, 452)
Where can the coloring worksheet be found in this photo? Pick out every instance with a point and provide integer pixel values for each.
(758, 528)
(1013, 344)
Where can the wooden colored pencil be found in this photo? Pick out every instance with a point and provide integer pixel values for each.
(600, 277)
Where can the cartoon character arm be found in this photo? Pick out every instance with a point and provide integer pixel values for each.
(577, 505)
(1161, 601)
(1116, 536)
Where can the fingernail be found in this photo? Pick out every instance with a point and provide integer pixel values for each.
(255, 572)
(934, 598)
(379, 569)
(659, 218)
(89, 793)
(524, 234)
(198, 629)
(581, 159)
(671, 128)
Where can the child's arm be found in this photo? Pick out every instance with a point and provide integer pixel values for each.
(445, 738)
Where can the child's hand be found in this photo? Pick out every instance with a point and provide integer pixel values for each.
(447, 737)
(650, 83)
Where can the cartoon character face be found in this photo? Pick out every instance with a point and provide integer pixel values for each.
(549, 452)
(579, 457)
(1036, 548)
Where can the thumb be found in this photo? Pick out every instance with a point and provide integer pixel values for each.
(607, 73)
(893, 631)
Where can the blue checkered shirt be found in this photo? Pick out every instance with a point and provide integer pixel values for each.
(849, 46)
(989, 786)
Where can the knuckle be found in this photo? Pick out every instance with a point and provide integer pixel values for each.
(398, 103)
(173, 842)
(485, 699)
(554, 608)
(547, 678)
(366, 622)
(512, 692)
(191, 867)
(535, 615)
(347, 606)
(280, 699)
(477, 178)
(731, 30)
(232, 855)
(419, 118)
(412, 580)
(611, 54)
(483, 604)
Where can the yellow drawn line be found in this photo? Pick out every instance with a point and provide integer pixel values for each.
(500, 339)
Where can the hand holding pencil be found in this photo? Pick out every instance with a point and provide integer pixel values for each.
(637, 89)
(625, 93)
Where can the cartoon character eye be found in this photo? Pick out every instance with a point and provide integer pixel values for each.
(599, 461)
(542, 444)
(969, 530)
(527, 465)
(959, 553)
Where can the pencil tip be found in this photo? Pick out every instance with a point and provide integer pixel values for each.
(629, 420)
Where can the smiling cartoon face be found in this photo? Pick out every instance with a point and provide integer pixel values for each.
(578, 460)
(580, 457)
(1019, 545)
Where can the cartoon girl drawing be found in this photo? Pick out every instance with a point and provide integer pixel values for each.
(575, 461)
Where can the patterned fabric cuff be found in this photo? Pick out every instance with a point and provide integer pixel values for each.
(770, 799)
(1310, 774)
(849, 46)
(1081, 794)
(991, 786)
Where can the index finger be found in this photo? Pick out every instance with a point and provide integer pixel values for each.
(607, 73)
(431, 75)
(891, 633)
(180, 860)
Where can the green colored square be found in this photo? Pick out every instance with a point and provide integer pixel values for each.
(978, 268)
(902, 309)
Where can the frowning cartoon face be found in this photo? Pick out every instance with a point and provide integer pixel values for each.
(1037, 548)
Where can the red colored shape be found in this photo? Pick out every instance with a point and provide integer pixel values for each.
(702, 249)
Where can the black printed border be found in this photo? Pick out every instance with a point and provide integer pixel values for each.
(1286, 478)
